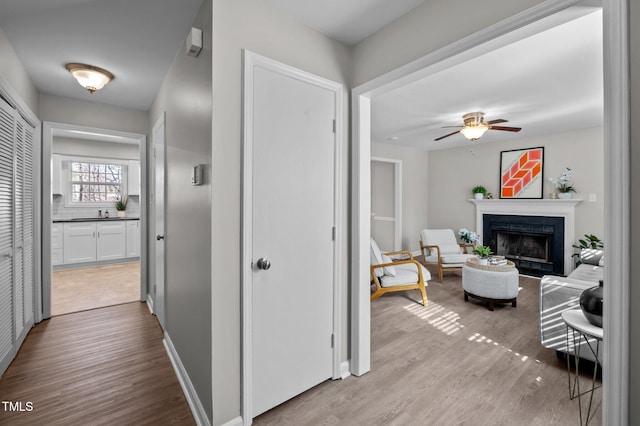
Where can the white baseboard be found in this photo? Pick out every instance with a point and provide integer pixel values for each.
(234, 422)
(197, 409)
(150, 303)
(345, 370)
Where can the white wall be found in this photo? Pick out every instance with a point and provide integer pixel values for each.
(634, 326)
(415, 195)
(13, 71)
(92, 114)
(185, 96)
(453, 172)
(256, 26)
(430, 26)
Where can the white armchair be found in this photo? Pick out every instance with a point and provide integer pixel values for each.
(387, 275)
(440, 248)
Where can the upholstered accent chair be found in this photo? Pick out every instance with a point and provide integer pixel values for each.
(405, 274)
(440, 248)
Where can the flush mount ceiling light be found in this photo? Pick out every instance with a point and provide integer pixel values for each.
(475, 126)
(90, 77)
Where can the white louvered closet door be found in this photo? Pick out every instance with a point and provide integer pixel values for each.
(7, 340)
(28, 224)
(18, 239)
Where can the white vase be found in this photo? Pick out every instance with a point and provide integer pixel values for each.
(121, 213)
(483, 261)
(565, 195)
(478, 195)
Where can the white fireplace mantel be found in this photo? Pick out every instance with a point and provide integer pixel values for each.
(534, 207)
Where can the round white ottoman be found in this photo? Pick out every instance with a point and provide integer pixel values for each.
(492, 284)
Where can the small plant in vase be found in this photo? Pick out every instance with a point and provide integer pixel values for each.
(479, 192)
(564, 184)
(483, 253)
(121, 206)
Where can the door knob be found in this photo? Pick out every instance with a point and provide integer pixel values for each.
(159, 237)
(263, 264)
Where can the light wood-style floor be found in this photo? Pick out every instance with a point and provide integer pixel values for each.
(100, 367)
(452, 363)
(75, 290)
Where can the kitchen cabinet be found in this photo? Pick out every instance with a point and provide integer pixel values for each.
(56, 174)
(111, 242)
(57, 244)
(133, 238)
(79, 242)
(133, 178)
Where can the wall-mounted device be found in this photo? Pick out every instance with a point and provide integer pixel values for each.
(196, 174)
(194, 42)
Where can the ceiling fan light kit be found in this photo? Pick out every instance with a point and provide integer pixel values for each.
(475, 126)
(90, 77)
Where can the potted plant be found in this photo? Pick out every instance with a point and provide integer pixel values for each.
(479, 192)
(121, 206)
(564, 184)
(483, 253)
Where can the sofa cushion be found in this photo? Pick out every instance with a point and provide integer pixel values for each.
(586, 272)
(591, 256)
(406, 273)
(450, 260)
(388, 270)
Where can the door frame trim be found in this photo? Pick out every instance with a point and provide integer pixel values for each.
(49, 130)
(615, 408)
(250, 61)
(397, 199)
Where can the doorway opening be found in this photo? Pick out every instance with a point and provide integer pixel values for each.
(94, 223)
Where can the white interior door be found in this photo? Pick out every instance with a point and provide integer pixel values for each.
(159, 151)
(386, 203)
(292, 222)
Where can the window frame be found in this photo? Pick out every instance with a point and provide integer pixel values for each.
(68, 182)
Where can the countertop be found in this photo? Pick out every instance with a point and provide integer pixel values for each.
(93, 219)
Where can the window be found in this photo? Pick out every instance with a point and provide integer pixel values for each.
(95, 182)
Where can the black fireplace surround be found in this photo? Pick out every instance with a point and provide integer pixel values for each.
(534, 243)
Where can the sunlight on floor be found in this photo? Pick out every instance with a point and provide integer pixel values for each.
(437, 316)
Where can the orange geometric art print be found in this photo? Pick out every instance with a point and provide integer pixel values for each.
(521, 173)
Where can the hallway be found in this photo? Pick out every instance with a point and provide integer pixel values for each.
(100, 367)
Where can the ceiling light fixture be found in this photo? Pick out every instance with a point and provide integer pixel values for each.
(474, 126)
(90, 77)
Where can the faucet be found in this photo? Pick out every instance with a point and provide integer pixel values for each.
(100, 213)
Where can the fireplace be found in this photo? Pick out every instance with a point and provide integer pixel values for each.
(534, 243)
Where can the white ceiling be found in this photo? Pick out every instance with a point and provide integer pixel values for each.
(545, 82)
(348, 21)
(136, 40)
(545, 78)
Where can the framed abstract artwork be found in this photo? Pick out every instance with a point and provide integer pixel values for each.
(521, 173)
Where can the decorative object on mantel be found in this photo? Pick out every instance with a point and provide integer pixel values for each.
(483, 253)
(564, 184)
(467, 236)
(591, 301)
(479, 192)
(521, 172)
(121, 207)
(591, 242)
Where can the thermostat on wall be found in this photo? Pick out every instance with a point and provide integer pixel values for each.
(194, 42)
(196, 175)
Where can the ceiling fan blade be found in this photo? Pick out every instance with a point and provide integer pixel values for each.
(499, 120)
(446, 136)
(451, 127)
(505, 128)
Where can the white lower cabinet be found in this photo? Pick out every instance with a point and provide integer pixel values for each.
(133, 238)
(84, 242)
(79, 242)
(57, 244)
(111, 243)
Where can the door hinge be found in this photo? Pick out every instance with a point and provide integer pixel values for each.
(334, 125)
(333, 340)
(154, 290)
(333, 233)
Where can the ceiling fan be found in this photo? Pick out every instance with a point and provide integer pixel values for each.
(475, 126)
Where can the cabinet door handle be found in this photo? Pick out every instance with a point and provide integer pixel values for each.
(94, 235)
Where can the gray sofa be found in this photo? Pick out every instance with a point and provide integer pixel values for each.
(558, 294)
